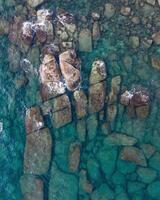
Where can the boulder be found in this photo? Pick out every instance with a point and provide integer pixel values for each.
(70, 68)
(98, 72)
(92, 125)
(133, 154)
(50, 77)
(32, 187)
(96, 97)
(80, 103)
(33, 120)
(142, 111)
(37, 153)
(74, 156)
(85, 40)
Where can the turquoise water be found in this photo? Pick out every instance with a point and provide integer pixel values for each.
(101, 174)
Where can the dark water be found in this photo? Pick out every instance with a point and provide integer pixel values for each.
(109, 176)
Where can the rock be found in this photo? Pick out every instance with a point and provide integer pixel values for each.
(20, 81)
(70, 68)
(95, 16)
(50, 78)
(155, 63)
(148, 150)
(84, 184)
(41, 33)
(140, 97)
(107, 159)
(125, 11)
(115, 89)
(102, 192)
(27, 32)
(142, 111)
(34, 3)
(81, 130)
(96, 97)
(98, 72)
(33, 120)
(31, 187)
(134, 41)
(4, 27)
(63, 115)
(154, 161)
(92, 125)
(152, 2)
(80, 103)
(159, 2)
(74, 156)
(118, 178)
(14, 58)
(62, 185)
(126, 97)
(109, 10)
(136, 20)
(56, 104)
(146, 175)
(120, 139)
(153, 190)
(37, 154)
(85, 40)
(156, 37)
(133, 154)
(44, 14)
(95, 31)
(66, 30)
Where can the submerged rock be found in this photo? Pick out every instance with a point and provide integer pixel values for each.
(62, 114)
(103, 192)
(85, 40)
(121, 139)
(62, 185)
(74, 156)
(32, 187)
(34, 3)
(84, 184)
(70, 68)
(109, 10)
(98, 72)
(146, 175)
(133, 154)
(96, 97)
(153, 190)
(156, 37)
(37, 153)
(80, 103)
(81, 130)
(33, 120)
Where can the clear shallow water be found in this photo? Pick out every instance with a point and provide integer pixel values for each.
(110, 177)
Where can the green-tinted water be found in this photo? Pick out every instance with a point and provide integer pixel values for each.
(107, 169)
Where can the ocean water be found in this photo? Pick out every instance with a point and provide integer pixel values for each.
(104, 172)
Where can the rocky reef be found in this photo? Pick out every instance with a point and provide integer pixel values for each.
(89, 80)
